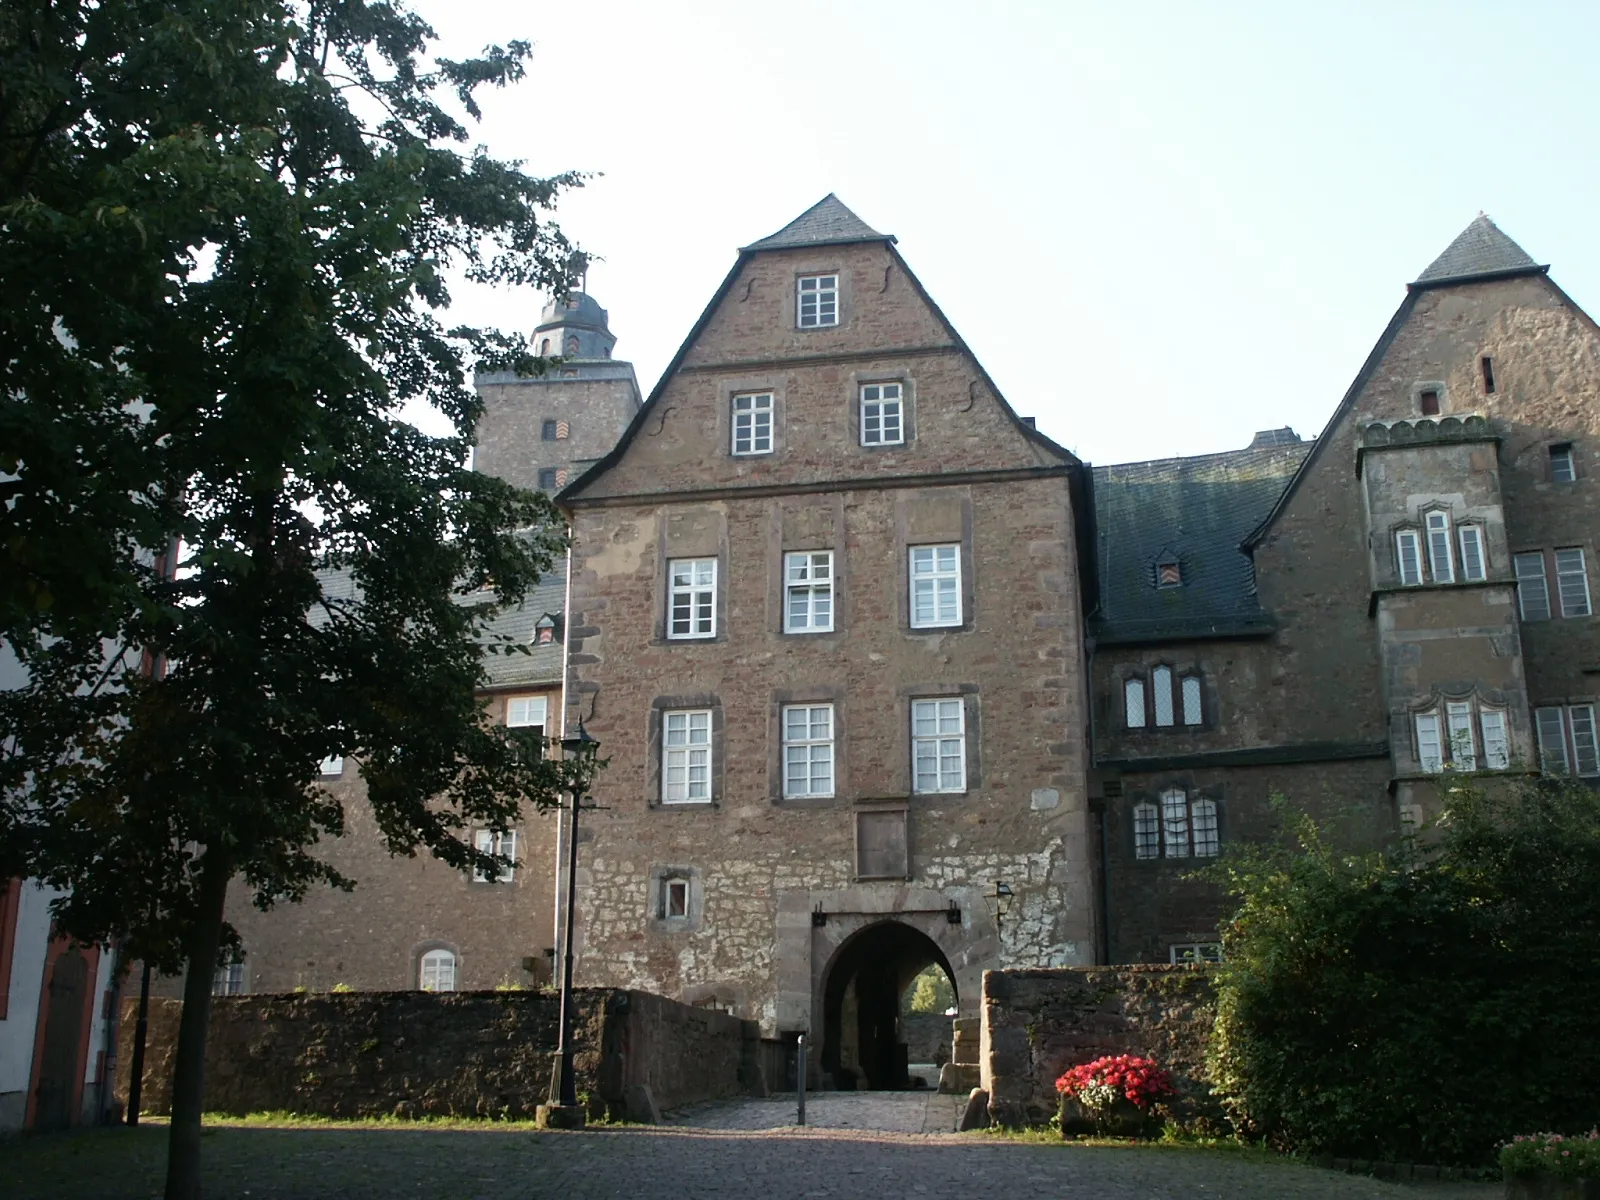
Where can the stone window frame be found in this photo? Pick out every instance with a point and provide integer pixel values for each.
(1430, 385)
(856, 381)
(972, 712)
(1567, 730)
(904, 541)
(419, 954)
(656, 918)
(662, 589)
(810, 586)
(1425, 516)
(1566, 451)
(800, 276)
(717, 589)
(1438, 707)
(1481, 533)
(898, 400)
(547, 429)
(496, 843)
(655, 746)
(1153, 799)
(783, 698)
(960, 588)
(1180, 675)
(772, 422)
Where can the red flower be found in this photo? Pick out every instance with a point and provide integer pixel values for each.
(1139, 1079)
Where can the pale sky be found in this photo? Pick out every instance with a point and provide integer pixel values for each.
(1160, 226)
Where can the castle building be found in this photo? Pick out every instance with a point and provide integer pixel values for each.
(825, 624)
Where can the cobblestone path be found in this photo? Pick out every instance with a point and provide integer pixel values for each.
(889, 1112)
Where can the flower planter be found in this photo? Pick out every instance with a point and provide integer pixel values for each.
(1551, 1187)
(1122, 1119)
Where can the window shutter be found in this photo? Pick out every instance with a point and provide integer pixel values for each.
(563, 430)
(881, 844)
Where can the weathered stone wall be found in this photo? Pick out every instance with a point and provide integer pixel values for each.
(1036, 1024)
(425, 1054)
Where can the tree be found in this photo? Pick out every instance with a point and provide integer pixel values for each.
(930, 992)
(224, 228)
(1422, 1003)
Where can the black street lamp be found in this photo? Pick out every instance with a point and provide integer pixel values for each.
(580, 751)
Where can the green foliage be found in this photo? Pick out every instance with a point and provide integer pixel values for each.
(1423, 1003)
(1552, 1154)
(930, 992)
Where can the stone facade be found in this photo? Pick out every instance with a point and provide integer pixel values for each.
(784, 883)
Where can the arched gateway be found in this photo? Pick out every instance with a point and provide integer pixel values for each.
(861, 991)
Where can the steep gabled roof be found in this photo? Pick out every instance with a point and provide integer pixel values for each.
(1479, 251)
(826, 223)
(1194, 511)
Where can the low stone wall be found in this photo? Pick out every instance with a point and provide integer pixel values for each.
(1036, 1024)
(422, 1053)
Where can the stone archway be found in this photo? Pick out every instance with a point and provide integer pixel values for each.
(862, 986)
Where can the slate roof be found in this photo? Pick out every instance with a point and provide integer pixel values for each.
(1480, 249)
(826, 223)
(1196, 510)
(541, 665)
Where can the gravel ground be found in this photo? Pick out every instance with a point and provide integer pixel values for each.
(715, 1156)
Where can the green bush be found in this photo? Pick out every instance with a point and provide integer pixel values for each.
(1424, 1003)
(1552, 1154)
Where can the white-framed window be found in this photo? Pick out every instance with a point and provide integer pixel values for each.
(935, 586)
(1408, 557)
(882, 415)
(674, 899)
(1133, 702)
(1192, 714)
(1430, 746)
(686, 756)
(1533, 588)
(229, 980)
(527, 710)
(437, 971)
(505, 845)
(1161, 688)
(808, 591)
(808, 750)
(1195, 952)
(752, 423)
(1450, 741)
(692, 598)
(1203, 821)
(332, 765)
(1458, 725)
(817, 301)
(1562, 468)
(1470, 538)
(1567, 744)
(939, 745)
(1572, 582)
(1146, 830)
(1175, 823)
(1441, 563)
(1496, 739)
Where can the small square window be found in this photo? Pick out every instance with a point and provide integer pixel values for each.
(547, 432)
(547, 479)
(527, 710)
(1195, 952)
(1428, 401)
(674, 899)
(333, 766)
(502, 844)
(817, 301)
(882, 415)
(1562, 468)
(229, 980)
(752, 423)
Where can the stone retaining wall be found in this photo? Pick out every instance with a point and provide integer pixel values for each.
(1036, 1024)
(422, 1053)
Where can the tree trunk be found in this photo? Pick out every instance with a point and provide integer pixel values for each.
(189, 1069)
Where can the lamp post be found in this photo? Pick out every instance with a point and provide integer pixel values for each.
(562, 1111)
(999, 902)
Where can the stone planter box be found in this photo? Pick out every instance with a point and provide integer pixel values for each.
(1124, 1119)
(1551, 1187)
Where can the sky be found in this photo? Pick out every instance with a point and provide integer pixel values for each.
(1160, 226)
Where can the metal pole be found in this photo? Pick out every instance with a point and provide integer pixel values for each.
(140, 1030)
(800, 1082)
(566, 1086)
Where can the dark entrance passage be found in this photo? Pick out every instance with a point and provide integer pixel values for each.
(861, 1042)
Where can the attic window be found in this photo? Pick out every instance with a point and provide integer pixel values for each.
(1429, 400)
(1169, 573)
(544, 630)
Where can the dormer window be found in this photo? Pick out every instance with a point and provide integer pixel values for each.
(544, 630)
(817, 301)
(1169, 573)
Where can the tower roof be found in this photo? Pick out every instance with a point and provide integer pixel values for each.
(826, 223)
(1479, 250)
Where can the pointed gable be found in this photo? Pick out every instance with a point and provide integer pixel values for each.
(1480, 250)
(826, 223)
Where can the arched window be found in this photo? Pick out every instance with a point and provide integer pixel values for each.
(1133, 702)
(544, 347)
(1161, 686)
(572, 345)
(438, 971)
(1179, 828)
